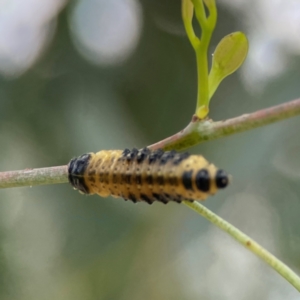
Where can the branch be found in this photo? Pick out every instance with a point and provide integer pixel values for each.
(33, 177)
(201, 131)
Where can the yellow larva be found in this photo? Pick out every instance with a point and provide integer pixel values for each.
(145, 175)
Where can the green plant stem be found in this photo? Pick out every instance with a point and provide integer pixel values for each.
(207, 25)
(34, 177)
(202, 69)
(246, 241)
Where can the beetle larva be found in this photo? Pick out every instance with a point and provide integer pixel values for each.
(145, 175)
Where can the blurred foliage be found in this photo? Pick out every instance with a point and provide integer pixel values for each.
(58, 244)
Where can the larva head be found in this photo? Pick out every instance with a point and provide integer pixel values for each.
(76, 170)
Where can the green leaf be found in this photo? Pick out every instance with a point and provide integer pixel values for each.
(227, 58)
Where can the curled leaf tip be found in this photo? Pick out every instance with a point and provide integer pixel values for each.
(210, 3)
(187, 10)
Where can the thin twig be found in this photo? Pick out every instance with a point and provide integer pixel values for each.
(250, 244)
(200, 131)
(33, 177)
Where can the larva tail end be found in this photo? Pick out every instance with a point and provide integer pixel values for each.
(222, 179)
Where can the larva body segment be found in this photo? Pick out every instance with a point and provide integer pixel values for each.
(144, 175)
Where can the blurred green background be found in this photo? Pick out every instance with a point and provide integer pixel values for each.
(80, 76)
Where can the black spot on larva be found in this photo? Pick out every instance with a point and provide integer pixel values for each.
(203, 180)
(187, 180)
(160, 198)
(101, 177)
(138, 179)
(164, 200)
(146, 199)
(179, 197)
(146, 150)
(160, 180)
(132, 154)
(92, 173)
(222, 179)
(115, 178)
(97, 164)
(125, 152)
(132, 198)
(155, 155)
(155, 196)
(174, 198)
(167, 156)
(123, 178)
(142, 155)
(180, 157)
(173, 180)
(92, 179)
(149, 179)
(128, 178)
(106, 177)
(169, 197)
(91, 176)
(76, 170)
